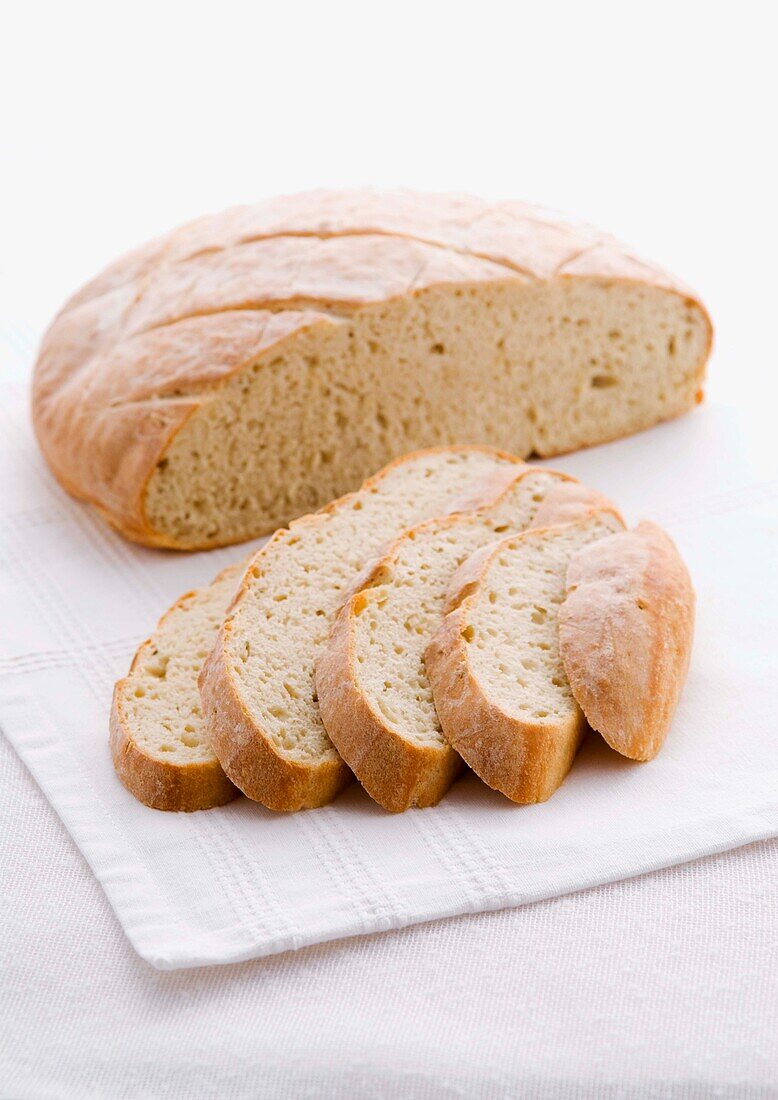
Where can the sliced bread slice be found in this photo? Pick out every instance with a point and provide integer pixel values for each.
(625, 635)
(257, 686)
(497, 678)
(160, 745)
(374, 693)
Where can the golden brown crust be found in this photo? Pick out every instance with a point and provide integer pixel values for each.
(625, 635)
(139, 350)
(534, 242)
(104, 440)
(395, 772)
(245, 749)
(525, 761)
(247, 753)
(568, 501)
(160, 784)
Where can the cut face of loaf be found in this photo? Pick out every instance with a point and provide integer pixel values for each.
(497, 677)
(257, 686)
(160, 745)
(374, 693)
(253, 365)
(625, 635)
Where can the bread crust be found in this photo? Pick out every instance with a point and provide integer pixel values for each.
(395, 772)
(104, 448)
(156, 783)
(527, 239)
(625, 636)
(247, 753)
(146, 345)
(159, 785)
(525, 760)
(245, 748)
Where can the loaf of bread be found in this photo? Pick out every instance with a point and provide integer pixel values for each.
(257, 686)
(625, 636)
(497, 677)
(160, 745)
(374, 694)
(252, 365)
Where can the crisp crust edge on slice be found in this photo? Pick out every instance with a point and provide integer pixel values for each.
(245, 749)
(396, 772)
(159, 784)
(625, 636)
(526, 761)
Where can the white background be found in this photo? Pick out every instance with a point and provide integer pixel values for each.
(656, 121)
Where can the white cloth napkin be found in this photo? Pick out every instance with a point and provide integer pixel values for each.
(238, 882)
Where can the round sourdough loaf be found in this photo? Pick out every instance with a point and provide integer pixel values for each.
(251, 365)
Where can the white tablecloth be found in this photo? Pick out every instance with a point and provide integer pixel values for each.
(660, 986)
(240, 882)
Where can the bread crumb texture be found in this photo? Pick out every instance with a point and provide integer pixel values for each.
(512, 627)
(159, 738)
(393, 622)
(282, 615)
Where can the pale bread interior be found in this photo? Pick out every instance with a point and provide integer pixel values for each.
(394, 621)
(512, 622)
(159, 698)
(297, 583)
(542, 367)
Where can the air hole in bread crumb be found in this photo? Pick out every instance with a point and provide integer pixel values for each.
(468, 633)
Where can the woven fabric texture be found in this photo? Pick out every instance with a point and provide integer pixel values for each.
(664, 987)
(240, 882)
